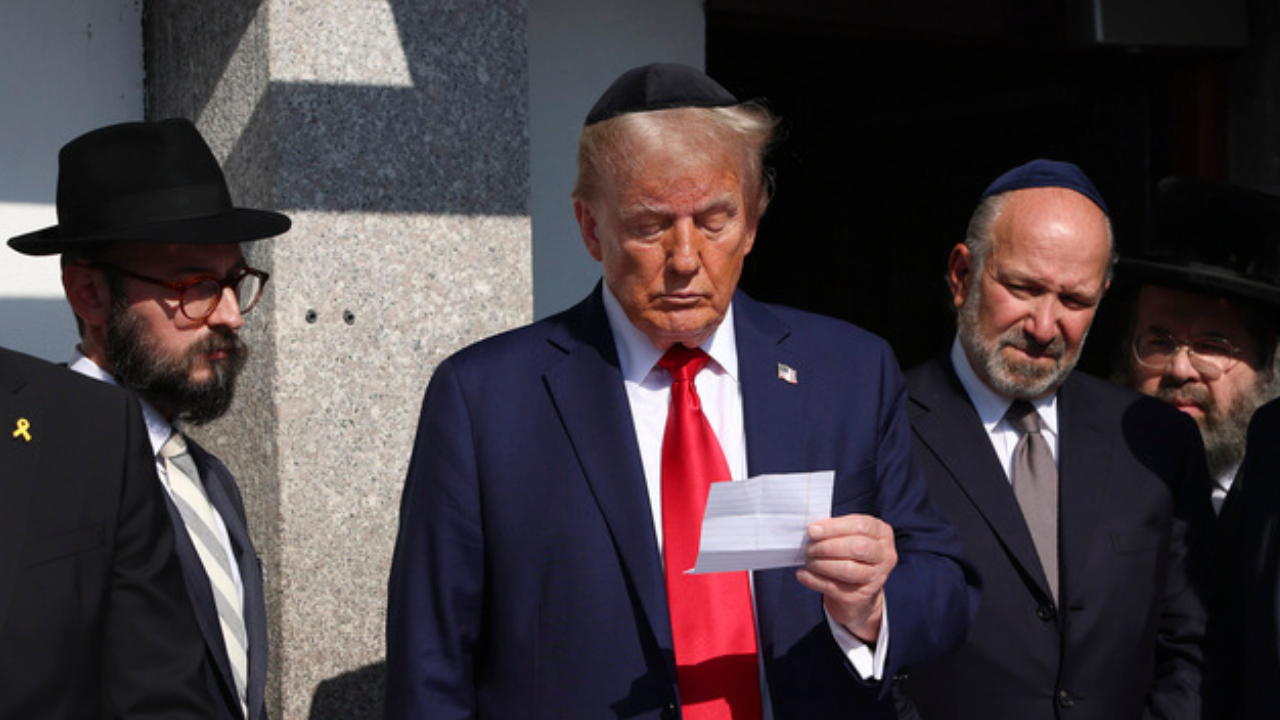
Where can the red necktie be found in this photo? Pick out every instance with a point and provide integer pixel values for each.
(711, 617)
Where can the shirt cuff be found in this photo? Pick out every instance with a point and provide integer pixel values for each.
(866, 660)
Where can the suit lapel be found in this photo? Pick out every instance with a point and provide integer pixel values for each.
(223, 495)
(772, 408)
(945, 422)
(201, 593)
(215, 481)
(588, 392)
(18, 462)
(1084, 456)
(772, 415)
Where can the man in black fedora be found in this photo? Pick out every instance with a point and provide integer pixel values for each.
(153, 269)
(1202, 334)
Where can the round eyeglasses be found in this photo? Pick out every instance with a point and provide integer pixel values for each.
(1211, 357)
(198, 296)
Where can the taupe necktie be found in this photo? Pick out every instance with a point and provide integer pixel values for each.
(1035, 484)
(198, 515)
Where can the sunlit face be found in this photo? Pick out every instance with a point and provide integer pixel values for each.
(1222, 406)
(1023, 316)
(672, 235)
(186, 368)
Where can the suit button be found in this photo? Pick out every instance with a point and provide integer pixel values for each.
(670, 711)
(1066, 699)
(1045, 612)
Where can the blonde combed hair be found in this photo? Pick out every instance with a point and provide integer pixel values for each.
(609, 149)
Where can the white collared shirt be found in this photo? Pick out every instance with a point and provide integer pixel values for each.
(992, 406)
(158, 431)
(649, 392)
(720, 393)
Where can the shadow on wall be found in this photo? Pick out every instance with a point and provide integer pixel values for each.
(453, 142)
(355, 695)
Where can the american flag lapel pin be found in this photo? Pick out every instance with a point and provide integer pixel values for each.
(786, 373)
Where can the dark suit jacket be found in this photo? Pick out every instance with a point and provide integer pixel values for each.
(1242, 677)
(94, 621)
(1126, 641)
(527, 581)
(225, 496)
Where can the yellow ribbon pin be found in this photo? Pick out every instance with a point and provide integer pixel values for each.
(23, 430)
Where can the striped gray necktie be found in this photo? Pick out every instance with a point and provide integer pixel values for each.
(1035, 485)
(199, 516)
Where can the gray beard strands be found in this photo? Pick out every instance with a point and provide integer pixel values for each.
(1224, 433)
(1009, 379)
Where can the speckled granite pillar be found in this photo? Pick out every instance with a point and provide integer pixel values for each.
(394, 133)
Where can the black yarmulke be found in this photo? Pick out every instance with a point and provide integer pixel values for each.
(659, 86)
(1046, 173)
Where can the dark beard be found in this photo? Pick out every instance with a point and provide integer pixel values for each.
(165, 382)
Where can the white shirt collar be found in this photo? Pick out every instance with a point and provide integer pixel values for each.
(992, 406)
(158, 429)
(637, 355)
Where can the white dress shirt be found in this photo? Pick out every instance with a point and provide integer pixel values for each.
(720, 392)
(159, 430)
(992, 406)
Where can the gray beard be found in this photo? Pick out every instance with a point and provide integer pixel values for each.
(1224, 432)
(1012, 380)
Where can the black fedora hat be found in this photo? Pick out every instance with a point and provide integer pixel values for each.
(1212, 237)
(149, 182)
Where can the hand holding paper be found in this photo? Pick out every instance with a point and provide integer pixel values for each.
(773, 521)
(762, 522)
(849, 560)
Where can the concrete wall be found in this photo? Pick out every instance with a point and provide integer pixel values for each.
(394, 133)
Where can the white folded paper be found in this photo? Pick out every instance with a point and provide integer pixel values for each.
(762, 522)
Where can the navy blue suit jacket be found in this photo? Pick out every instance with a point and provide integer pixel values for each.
(1125, 640)
(527, 581)
(224, 495)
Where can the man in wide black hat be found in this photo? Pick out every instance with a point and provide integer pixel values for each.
(153, 269)
(556, 492)
(1205, 289)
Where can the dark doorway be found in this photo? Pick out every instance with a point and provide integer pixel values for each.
(895, 121)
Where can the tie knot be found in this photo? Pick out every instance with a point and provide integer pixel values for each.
(1022, 415)
(683, 363)
(175, 446)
